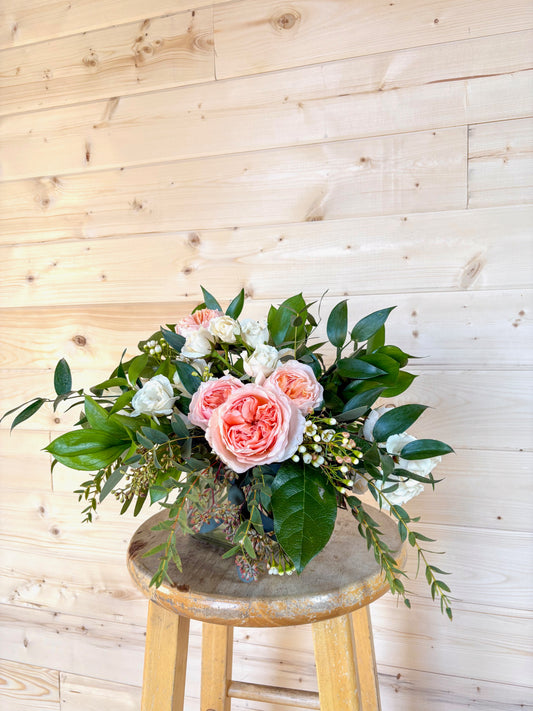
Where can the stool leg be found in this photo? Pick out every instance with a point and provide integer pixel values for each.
(335, 664)
(217, 657)
(165, 660)
(366, 660)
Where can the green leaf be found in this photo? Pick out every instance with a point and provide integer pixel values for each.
(279, 321)
(157, 493)
(174, 340)
(396, 420)
(234, 310)
(360, 369)
(110, 383)
(122, 401)
(304, 505)
(136, 367)
(376, 341)
(389, 365)
(337, 326)
(365, 399)
(210, 301)
(367, 326)
(28, 412)
(425, 449)
(394, 352)
(154, 435)
(189, 376)
(87, 450)
(113, 479)
(403, 381)
(98, 418)
(62, 378)
(352, 414)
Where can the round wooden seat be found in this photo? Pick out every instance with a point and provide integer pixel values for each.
(333, 594)
(342, 578)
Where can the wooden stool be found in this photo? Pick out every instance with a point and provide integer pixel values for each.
(344, 578)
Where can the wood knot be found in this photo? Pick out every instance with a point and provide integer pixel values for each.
(80, 340)
(91, 60)
(193, 239)
(286, 21)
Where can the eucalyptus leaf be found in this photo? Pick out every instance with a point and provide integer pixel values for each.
(189, 376)
(113, 479)
(155, 436)
(174, 340)
(179, 427)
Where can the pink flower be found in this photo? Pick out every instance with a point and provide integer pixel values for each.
(256, 425)
(209, 396)
(199, 319)
(299, 383)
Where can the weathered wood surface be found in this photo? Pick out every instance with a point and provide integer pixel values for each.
(415, 172)
(462, 329)
(356, 99)
(107, 63)
(261, 36)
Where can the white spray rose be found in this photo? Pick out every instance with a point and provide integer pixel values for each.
(197, 344)
(262, 362)
(371, 420)
(254, 333)
(225, 328)
(156, 397)
(407, 489)
(422, 467)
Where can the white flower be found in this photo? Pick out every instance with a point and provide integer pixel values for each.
(261, 362)
(197, 344)
(254, 333)
(407, 489)
(156, 397)
(371, 420)
(225, 328)
(422, 467)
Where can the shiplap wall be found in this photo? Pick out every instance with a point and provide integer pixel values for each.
(381, 150)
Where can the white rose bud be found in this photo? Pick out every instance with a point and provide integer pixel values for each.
(156, 397)
(262, 362)
(197, 344)
(422, 467)
(225, 328)
(254, 333)
(371, 420)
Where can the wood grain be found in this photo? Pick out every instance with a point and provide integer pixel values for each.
(260, 36)
(25, 687)
(473, 249)
(25, 22)
(335, 664)
(351, 99)
(500, 163)
(108, 63)
(417, 172)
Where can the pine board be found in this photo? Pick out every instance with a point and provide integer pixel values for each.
(25, 22)
(258, 36)
(473, 329)
(115, 60)
(500, 163)
(312, 104)
(415, 172)
(460, 250)
(25, 687)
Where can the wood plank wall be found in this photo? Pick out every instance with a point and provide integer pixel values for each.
(381, 150)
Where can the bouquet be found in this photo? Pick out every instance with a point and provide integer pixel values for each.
(241, 426)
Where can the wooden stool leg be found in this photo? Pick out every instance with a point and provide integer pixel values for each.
(165, 660)
(217, 657)
(335, 664)
(366, 660)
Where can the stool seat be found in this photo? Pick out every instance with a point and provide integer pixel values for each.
(341, 578)
(332, 593)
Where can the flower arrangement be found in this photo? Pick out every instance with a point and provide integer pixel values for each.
(240, 426)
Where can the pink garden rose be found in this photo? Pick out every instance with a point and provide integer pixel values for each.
(298, 382)
(209, 396)
(199, 319)
(256, 425)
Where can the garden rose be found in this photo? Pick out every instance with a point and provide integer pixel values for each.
(199, 319)
(209, 396)
(255, 425)
(156, 397)
(225, 328)
(422, 467)
(298, 382)
(197, 344)
(254, 333)
(261, 362)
